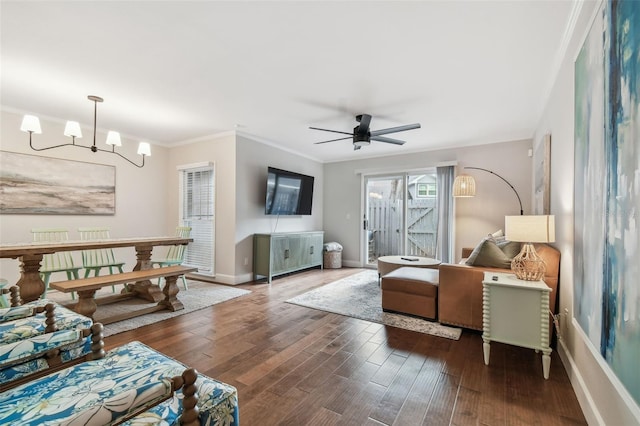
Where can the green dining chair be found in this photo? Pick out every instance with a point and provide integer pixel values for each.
(97, 259)
(4, 303)
(175, 254)
(55, 262)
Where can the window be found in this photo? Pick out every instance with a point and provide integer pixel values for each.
(197, 210)
(426, 190)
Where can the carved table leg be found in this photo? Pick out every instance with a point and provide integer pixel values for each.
(30, 283)
(170, 291)
(86, 303)
(145, 289)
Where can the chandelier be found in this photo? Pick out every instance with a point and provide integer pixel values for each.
(31, 124)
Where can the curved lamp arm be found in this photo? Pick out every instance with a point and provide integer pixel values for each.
(506, 181)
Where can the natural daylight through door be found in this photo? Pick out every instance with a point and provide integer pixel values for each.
(400, 215)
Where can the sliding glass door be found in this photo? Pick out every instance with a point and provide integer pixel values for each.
(400, 215)
(383, 217)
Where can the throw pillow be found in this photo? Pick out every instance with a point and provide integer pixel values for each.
(497, 236)
(490, 254)
(510, 248)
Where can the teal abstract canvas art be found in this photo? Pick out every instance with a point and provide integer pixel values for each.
(607, 189)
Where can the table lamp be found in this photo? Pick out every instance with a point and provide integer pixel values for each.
(528, 265)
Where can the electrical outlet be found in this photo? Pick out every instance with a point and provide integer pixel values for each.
(566, 311)
(246, 261)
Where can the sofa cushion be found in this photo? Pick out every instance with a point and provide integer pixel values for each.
(495, 255)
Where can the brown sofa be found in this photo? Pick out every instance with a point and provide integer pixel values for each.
(460, 288)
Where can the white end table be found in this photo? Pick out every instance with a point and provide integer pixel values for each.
(516, 312)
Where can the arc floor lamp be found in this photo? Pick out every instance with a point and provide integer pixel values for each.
(465, 185)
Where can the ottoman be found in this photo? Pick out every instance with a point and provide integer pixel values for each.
(412, 291)
(128, 379)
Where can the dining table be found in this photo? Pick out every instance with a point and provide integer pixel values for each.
(30, 256)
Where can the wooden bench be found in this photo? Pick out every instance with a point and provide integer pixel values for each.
(87, 287)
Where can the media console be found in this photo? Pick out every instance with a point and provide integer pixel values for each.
(281, 253)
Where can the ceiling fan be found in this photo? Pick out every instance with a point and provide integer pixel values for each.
(362, 135)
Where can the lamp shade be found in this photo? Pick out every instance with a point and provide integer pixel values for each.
(113, 138)
(144, 148)
(72, 129)
(464, 186)
(31, 123)
(531, 228)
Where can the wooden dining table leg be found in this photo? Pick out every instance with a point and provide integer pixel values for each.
(30, 283)
(145, 289)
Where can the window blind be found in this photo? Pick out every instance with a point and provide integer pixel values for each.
(198, 212)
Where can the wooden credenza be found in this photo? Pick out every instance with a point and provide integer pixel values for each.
(281, 253)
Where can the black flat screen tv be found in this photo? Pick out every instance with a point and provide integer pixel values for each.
(288, 193)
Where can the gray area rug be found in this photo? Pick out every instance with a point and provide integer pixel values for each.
(200, 295)
(359, 296)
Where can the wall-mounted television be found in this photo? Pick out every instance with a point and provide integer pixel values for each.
(288, 193)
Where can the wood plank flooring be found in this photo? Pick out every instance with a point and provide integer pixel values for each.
(298, 366)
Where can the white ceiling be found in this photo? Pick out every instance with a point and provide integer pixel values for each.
(471, 72)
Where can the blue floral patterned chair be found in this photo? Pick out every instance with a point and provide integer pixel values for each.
(125, 384)
(40, 336)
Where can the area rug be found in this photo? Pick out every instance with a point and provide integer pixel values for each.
(200, 295)
(359, 296)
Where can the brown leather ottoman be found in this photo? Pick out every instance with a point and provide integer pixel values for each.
(410, 290)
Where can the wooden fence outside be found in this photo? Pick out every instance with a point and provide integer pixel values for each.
(385, 235)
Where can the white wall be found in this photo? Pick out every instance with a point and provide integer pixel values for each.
(221, 151)
(241, 175)
(253, 158)
(140, 193)
(475, 217)
(603, 399)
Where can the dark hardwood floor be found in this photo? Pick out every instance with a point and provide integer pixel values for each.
(298, 366)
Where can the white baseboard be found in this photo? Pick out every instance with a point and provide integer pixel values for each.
(591, 413)
(352, 263)
(222, 278)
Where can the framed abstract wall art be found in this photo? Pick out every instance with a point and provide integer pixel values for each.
(542, 176)
(607, 190)
(31, 184)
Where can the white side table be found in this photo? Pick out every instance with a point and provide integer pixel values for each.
(516, 312)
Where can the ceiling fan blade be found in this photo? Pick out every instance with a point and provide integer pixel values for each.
(333, 140)
(395, 129)
(387, 140)
(364, 120)
(327, 130)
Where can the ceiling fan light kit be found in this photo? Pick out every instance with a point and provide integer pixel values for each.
(362, 134)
